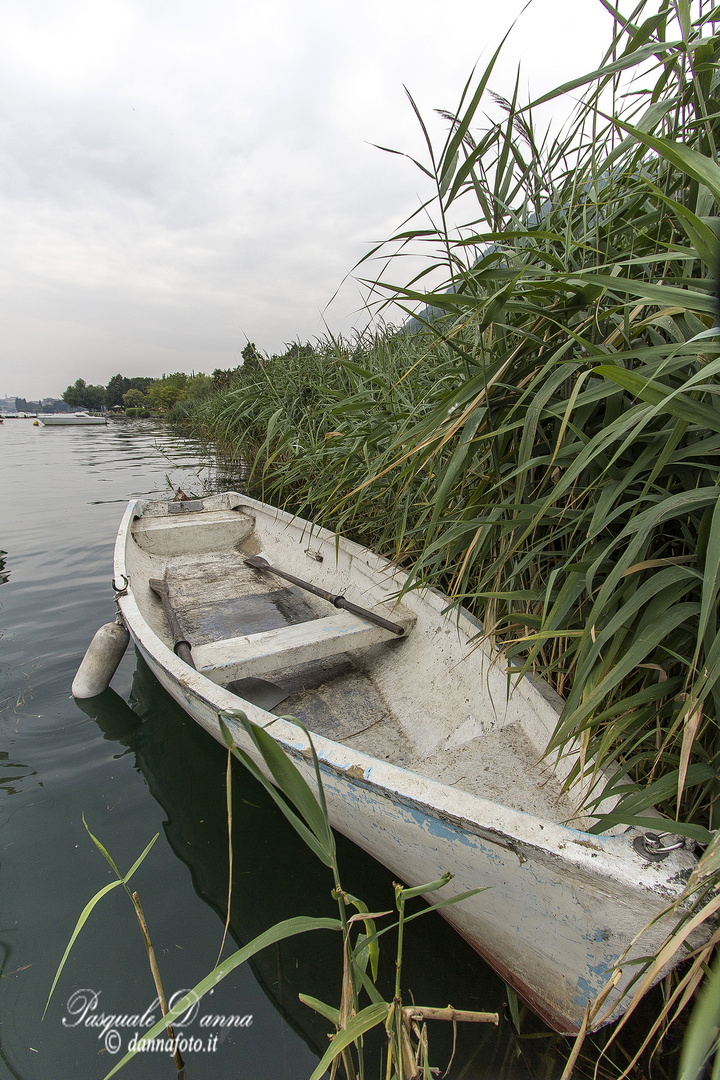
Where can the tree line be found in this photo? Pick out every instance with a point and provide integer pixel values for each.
(138, 392)
(82, 395)
(161, 395)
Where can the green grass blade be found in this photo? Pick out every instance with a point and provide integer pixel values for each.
(139, 860)
(513, 1006)
(666, 399)
(86, 911)
(371, 935)
(421, 890)
(308, 836)
(694, 164)
(458, 899)
(106, 855)
(709, 863)
(711, 578)
(624, 63)
(327, 832)
(702, 1032)
(84, 914)
(328, 1011)
(654, 824)
(282, 930)
(289, 779)
(367, 1018)
(450, 156)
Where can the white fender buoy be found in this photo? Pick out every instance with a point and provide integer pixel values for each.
(101, 660)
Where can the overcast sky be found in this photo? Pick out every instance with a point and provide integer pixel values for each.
(179, 177)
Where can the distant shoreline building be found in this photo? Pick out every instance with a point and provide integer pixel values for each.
(14, 406)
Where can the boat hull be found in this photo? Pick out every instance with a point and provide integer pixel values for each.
(559, 906)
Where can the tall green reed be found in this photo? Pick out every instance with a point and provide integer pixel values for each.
(575, 488)
(542, 441)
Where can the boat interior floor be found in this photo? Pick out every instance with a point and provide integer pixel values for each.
(336, 696)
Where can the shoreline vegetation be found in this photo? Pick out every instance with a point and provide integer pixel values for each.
(541, 438)
(542, 441)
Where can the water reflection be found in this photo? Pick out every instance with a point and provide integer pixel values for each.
(6, 973)
(8, 783)
(4, 573)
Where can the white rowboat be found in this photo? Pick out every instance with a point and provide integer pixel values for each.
(427, 762)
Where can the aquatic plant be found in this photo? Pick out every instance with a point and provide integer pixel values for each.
(702, 1039)
(287, 928)
(307, 813)
(570, 475)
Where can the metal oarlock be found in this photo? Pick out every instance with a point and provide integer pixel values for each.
(120, 590)
(650, 845)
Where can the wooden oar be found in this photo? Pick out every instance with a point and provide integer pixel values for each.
(258, 563)
(181, 646)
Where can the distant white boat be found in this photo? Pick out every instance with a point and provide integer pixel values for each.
(426, 762)
(75, 419)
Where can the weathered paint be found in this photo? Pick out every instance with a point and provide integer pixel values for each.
(560, 905)
(265, 652)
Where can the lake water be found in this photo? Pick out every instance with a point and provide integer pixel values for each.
(134, 765)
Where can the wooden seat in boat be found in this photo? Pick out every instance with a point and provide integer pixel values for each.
(271, 650)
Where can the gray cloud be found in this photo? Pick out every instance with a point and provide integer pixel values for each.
(176, 176)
